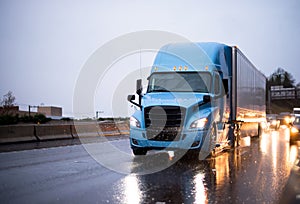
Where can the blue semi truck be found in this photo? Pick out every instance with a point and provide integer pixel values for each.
(200, 96)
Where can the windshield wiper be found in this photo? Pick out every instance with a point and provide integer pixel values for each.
(159, 90)
(200, 90)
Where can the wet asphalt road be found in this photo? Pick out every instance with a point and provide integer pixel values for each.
(256, 172)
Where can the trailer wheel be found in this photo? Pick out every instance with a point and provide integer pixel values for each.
(139, 151)
(231, 136)
(235, 133)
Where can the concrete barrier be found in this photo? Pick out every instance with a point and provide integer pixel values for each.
(109, 129)
(21, 133)
(17, 133)
(123, 128)
(86, 130)
(50, 132)
(95, 129)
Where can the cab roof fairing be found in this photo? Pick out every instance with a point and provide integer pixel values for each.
(195, 56)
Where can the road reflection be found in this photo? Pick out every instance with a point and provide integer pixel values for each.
(132, 192)
(200, 190)
(255, 172)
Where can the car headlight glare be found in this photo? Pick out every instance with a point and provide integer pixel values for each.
(199, 123)
(294, 130)
(134, 122)
(274, 122)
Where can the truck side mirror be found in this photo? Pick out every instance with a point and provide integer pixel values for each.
(131, 97)
(225, 84)
(206, 98)
(139, 87)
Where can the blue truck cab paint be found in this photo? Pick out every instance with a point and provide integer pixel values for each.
(191, 99)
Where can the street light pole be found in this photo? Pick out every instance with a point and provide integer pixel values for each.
(29, 107)
(97, 113)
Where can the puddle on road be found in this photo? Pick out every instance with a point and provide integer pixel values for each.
(237, 175)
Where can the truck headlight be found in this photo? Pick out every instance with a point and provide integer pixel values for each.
(134, 122)
(199, 123)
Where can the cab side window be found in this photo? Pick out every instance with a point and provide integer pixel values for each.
(217, 84)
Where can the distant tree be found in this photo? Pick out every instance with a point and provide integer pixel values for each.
(8, 100)
(281, 77)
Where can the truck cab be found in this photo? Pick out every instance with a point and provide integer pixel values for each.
(186, 103)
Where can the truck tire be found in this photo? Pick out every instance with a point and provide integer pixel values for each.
(215, 136)
(259, 130)
(292, 142)
(139, 151)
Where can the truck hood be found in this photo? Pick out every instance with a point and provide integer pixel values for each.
(172, 99)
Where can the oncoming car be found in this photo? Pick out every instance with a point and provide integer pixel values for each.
(295, 130)
(273, 123)
(284, 119)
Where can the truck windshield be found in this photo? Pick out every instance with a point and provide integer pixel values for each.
(180, 82)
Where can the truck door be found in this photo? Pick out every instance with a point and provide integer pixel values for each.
(219, 104)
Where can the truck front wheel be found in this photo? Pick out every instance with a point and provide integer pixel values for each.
(139, 151)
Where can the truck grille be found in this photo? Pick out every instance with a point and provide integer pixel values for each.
(164, 123)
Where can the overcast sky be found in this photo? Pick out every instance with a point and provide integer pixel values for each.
(45, 43)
